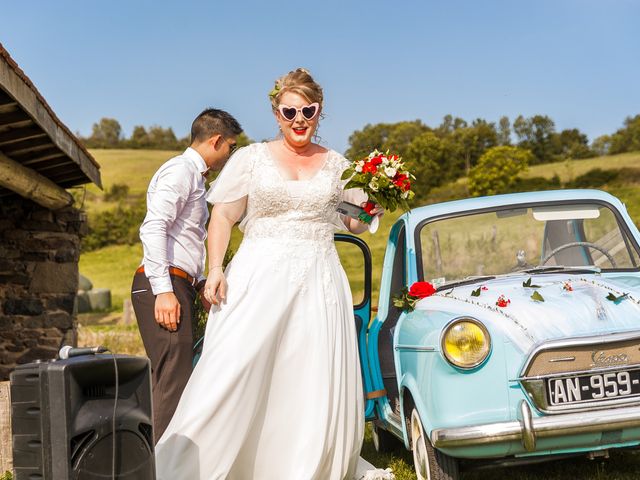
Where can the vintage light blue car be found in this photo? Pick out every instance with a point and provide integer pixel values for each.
(530, 346)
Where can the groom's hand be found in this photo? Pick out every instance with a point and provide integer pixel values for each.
(167, 311)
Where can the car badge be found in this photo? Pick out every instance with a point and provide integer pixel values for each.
(602, 359)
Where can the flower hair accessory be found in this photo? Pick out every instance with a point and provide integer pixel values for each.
(276, 90)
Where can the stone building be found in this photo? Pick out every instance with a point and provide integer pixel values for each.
(40, 230)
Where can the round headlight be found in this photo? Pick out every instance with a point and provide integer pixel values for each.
(466, 343)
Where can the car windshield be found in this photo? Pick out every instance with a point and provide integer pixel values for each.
(524, 238)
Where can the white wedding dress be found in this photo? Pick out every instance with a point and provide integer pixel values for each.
(277, 393)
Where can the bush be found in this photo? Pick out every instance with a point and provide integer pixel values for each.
(117, 192)
(117, 226)
(497, 170)
(594, 178)
(535, 184)
(445, 193)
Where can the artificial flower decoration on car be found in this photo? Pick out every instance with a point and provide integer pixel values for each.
(385, 180)
(535, 296)
(477, 291)
(612, 297)
(408, 297)
(528, 284)
(502, 301)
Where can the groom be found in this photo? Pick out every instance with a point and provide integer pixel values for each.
(172, 234)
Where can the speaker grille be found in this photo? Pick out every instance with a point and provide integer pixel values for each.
(79, 443)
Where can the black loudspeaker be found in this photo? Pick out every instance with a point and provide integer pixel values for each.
(62, 419)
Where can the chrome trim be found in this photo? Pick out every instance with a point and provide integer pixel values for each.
(528, 433)
(579, 341)
(577, 373)
(565, 359)
(470, 320)
(541, 427)
(416, 348)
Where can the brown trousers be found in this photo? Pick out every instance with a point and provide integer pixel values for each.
(171, 353)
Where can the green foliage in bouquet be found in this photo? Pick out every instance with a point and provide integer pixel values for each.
(384, 178)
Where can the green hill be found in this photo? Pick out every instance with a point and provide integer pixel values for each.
(111, 267)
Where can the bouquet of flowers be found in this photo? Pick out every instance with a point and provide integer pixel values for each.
(385, 180)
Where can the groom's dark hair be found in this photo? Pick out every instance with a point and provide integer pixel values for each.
(214, 122)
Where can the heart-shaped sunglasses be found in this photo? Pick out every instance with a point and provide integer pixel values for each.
(309, 112)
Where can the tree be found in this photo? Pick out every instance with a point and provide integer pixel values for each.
(497, 170)
(470, 143)
(536, 134)
(162, 138)
(504, 131)
(601, 145)
(139, 137)
(627, 139)
(394, 137)
(571, 143)
(449, 125)
(361, 142)
(426, 158)
(105, 134)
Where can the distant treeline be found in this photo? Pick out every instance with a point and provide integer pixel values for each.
(107, 133)
(436, 155)
(441, 154)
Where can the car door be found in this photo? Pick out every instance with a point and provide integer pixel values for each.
(356, 256)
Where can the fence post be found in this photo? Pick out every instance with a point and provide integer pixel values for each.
(127, 312)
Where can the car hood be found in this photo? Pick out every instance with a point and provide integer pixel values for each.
(581, 308)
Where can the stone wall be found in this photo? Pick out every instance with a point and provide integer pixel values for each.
(39, 253)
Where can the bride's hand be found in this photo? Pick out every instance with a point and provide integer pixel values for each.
(377, 210)
(215, 290)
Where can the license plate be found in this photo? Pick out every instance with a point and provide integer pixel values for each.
(593, 388)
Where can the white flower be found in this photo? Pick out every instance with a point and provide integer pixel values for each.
(373, 185)
(358, 168)
(390, 172)
(385, 160)
(405, 195)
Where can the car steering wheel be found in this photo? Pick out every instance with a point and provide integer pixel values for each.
(602, 250)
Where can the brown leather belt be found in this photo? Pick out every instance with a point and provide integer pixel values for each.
(176, 272)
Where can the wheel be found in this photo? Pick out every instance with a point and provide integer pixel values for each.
(383, 441)
(602, 250)
(430, 464)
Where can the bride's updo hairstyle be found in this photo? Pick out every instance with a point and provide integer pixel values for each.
(298, 81)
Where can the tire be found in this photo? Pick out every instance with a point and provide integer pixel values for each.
(429, 463)
(383, 441)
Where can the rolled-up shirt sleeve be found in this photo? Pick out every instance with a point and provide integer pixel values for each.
(166, 198)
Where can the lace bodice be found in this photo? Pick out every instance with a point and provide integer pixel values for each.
(275, 209)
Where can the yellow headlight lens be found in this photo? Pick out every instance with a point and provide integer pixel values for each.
(466, 343)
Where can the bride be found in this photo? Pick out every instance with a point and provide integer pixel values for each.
(277, 392)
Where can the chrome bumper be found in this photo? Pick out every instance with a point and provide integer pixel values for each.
(528, 429)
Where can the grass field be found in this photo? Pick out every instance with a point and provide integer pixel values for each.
(112, 267)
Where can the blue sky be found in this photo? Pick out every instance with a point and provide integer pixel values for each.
(149, 62)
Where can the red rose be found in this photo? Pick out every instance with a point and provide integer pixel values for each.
(368, 207)
(376, 160)
(502, 301)
(421, 290)
(400, 177)
(369, 167)
(406, 186)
